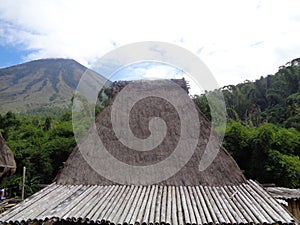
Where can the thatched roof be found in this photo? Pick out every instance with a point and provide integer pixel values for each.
(117, 86)
(223, 170)
(7, 161)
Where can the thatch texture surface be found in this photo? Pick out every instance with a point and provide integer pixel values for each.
(117, 86)
(223, 170)
(7, 161)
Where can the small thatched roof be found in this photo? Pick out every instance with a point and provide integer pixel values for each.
(7, 161)
(223, 170)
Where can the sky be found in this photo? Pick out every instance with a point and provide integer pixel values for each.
(237, 40)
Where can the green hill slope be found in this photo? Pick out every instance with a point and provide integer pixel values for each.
(274, 98)
(40, 83)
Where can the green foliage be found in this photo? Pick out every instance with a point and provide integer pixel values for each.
(83, 115)
(268, 153)
(40, 144)
(202, 104)
(263, 127)
(237, 142)
(104, 97)
(273, 99)
(284, 169)
(44, 111)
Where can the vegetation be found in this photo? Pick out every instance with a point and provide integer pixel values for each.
(263, 125)
(41, 144)
(267, 153)
(272, 99)
(262, 134)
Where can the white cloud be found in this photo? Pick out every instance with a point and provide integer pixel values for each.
(154, 70)
(225, 31)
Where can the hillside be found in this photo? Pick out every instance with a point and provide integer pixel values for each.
(41, 83)
(263, 129)
(272, 99)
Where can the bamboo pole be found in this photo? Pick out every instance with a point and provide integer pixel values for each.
(23, 182)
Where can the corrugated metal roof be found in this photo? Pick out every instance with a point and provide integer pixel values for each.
(176, 205)
(284, 193)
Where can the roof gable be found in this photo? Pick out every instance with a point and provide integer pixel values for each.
(222, 171)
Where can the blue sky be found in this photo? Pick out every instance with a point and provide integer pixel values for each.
(237, 40)
(12, 55)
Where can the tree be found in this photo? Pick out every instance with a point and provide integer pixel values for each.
(269, 153)
(47, 124)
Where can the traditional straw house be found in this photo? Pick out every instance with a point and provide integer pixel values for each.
(7, 161)
(218, 195)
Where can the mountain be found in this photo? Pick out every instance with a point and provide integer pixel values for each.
(41, 83)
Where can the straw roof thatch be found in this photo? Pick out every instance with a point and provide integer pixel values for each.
(223, 170)
(7, 161)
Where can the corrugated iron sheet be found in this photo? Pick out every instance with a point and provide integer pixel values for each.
(284, 193)
(118, 204)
